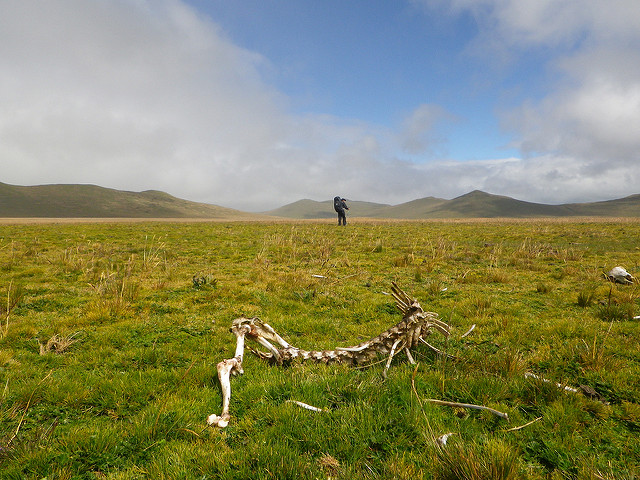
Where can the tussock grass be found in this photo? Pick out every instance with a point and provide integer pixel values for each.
(126, 397)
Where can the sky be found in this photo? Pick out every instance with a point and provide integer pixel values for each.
(255, 104)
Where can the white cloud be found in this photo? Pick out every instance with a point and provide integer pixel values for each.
(141, 94)
(147, 95)
(130, 94)
(420, 130)
(589, 122)
(595, 115)
(550, 22)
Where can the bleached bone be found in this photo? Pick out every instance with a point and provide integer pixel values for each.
(306, 405)
(545, 380)
(471, 329)
(352, 349)
(438, 351)
(409, 356)
(391, 354)
(405, 335)
(225, 368)
(469, 405)
(620, 275)
(442, 439)
(515, 429)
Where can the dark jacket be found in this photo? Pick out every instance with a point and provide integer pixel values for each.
(339, 204)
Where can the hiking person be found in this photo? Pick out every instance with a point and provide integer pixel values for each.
(340, 205)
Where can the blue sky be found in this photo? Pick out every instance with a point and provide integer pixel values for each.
(255, 104)
(375, 61)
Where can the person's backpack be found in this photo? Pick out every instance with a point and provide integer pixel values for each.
(337, 204)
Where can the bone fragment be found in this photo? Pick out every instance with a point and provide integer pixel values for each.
(265, 343)
(442, 439)
(391, 354)
(409, 356)
(559, 385)
(224, 371)
(525, 425)
(439, 352)
(353, 349)
(473, 327)
(307, 406)
(468, 405)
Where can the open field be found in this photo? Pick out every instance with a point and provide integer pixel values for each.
(108, 350)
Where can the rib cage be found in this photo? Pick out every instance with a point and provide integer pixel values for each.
(415, 324)
(406, 334)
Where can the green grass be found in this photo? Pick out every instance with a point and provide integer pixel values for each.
(110, 335)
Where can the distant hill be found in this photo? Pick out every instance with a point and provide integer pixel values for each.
(91, 201)
(475, 204)
(310, 209)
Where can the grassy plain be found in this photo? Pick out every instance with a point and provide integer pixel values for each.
(108, 350)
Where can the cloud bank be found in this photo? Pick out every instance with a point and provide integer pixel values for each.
(148, 94)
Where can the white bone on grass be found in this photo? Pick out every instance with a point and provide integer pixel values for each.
(545, 380)
(442, 439)
(620, 275)
(403, 336)
(225, 368)
(306, 406)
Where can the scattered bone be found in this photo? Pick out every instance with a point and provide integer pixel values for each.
(471, 329)
(307, 406)
(439, 352)
(525, 425)
(442, 439)
(620, 275)
(559, 385)
(468, 405)
(404, 336)
(585, 389)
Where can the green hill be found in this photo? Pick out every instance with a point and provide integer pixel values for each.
(479, 204)
(91, 201)
(475, 204)
(415, 209)
(311, 209)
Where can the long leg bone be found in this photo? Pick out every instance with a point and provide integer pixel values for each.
(225, 368)
(405, 335)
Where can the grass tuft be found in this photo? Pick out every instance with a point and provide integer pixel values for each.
(494, 460)
(57, 344)
(586, 297)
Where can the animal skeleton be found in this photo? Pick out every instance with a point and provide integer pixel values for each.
(620, 275)
(405, 335)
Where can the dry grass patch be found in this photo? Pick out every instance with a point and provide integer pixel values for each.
(58, 344)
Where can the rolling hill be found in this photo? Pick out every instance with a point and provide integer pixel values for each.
(475, 204)
(91, 201)
(311, 209)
